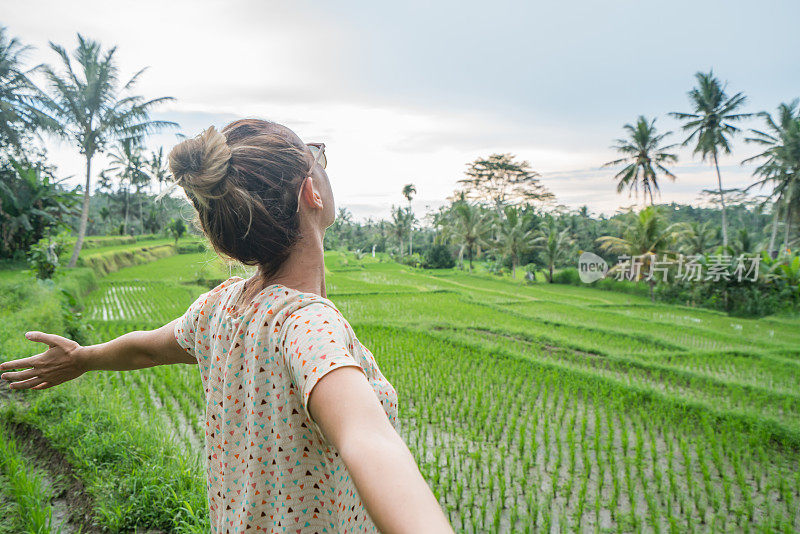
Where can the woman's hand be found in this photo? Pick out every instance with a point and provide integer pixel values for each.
(58, 364)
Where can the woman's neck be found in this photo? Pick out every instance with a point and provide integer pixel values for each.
(303, 270)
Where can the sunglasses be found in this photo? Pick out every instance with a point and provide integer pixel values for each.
(318, 151)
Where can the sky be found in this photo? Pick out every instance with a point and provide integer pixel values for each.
(411, 92)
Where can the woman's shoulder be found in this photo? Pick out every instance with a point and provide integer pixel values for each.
(227, 283)
(212, 297)
(307, 305)
(313, 311)
(223, 288)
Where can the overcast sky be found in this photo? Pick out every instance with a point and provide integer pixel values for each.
(410, 92)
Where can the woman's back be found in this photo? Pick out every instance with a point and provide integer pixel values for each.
(268, 462)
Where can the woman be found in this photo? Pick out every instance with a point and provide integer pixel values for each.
(280, 459)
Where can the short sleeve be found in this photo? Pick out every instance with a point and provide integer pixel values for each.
(187, 325)
(314, 342)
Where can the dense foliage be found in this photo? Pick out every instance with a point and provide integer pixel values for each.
(32, 206)
(502, 213)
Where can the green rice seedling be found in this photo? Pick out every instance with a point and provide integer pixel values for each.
(547, 520)
(495, 396)
(25, 486)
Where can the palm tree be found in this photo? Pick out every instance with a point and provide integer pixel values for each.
(555, 245)
(514, 235)
(93, 109)
(157, 167)
(781, 166)
(400, 226)
(742, 243)
(158, 170)
(105, 213)
(643, 158)
(141, 181)
(645, 236)
(126, 161)
(469, 226)
(789, 191)
(711, 125)
(408, 191)
(698, 238)
(18, 114)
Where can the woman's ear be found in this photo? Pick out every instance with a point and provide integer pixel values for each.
(316, 196)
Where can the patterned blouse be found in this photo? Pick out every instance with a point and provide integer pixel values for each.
(269, 468)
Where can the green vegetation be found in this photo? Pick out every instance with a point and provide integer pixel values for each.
(628, 406)
(25, 487)
(711, 125)
(643, 158)
(502, 213)
(131, 470)
(108, 259)
(563, 408)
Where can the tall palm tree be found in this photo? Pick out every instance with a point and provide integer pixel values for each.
(400, 226)
(514, 235)
(159, 171)
(781, 163)
(469, 226)
(643, 157)
(555, 245)
(711, 126)
(644, 236)
(157, 167)
(789, 191)
(141, 181)
(93, 110)
(125, 160)
(408, 191)
(18, 114)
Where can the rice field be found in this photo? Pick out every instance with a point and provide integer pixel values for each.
(534, 408)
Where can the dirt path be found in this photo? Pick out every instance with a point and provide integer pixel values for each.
(71, 504)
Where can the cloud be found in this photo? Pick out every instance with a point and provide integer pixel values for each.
(412, 92)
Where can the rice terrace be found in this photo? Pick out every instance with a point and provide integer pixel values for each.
(568, 409)
(411, 268)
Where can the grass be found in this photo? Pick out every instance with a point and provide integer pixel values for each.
(135, 474)
(527, 407)
(23, 486)
(183, 268)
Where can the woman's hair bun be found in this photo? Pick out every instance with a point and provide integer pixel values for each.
(243, 182)
(200, 165)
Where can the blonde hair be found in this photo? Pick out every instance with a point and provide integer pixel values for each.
(243, 182)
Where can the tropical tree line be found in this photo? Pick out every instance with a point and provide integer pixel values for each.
(502, 214)
(123, 201)
(546, 239)
(84, 101)
(711, 124)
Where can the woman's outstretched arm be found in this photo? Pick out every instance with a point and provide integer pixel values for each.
(387, 478)
(65, 359)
